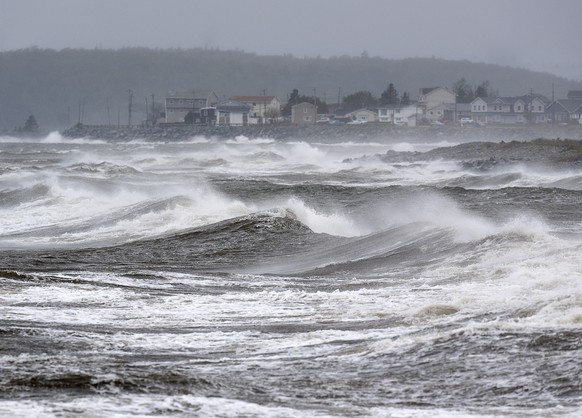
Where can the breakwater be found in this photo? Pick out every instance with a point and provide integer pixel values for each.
(370, 131)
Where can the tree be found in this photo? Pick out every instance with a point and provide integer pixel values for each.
(30, 125)
(463, 91)
(359, 100)
(389, 96)
(482, 90)
(405, 100)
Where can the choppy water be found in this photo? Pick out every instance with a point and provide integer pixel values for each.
(255, 278)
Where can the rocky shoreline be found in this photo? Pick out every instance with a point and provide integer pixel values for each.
(370, 131)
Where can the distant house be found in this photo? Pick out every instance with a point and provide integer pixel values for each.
(565, 110)
(530, 108)
(457, 111)
(183, 107)
(430, 98)
(363, 115)
(448, 112)
(232, 112)
(435, 113)
(263, 108)
(304, 113)
(398, 115)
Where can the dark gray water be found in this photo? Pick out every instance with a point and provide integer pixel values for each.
(259, 278)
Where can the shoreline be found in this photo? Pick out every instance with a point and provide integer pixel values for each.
(324, 132)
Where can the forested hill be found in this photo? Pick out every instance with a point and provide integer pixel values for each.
(61, 87)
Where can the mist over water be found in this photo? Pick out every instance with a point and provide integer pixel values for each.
(254, 277)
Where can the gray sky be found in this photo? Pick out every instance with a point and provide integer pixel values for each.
(540, 35)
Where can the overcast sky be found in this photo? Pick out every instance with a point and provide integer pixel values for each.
(541, 35)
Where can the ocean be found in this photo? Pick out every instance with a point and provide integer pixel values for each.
(369, 277)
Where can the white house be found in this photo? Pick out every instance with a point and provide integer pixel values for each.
(429, 98)
(510, 110)
(232, 113)
(398, 115)
(263, 108)
(363, 115)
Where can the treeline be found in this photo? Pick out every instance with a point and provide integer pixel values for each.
(61, 88)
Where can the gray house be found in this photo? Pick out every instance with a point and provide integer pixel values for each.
(566, 110)
(510, 110)
(304, 113)
(184, 107)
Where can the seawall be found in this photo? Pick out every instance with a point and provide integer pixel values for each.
(366, 132)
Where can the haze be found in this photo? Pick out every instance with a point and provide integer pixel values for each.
(533, 34)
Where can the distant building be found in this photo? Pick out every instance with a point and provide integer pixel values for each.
(263, 108)
(364, 115)
(233, 113)
(565, 110)
(398, 115)
(430, 98)
(183, 107)
(531, 108)
(304, 113)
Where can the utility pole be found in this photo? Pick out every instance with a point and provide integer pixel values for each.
(153, 112)
(531, 105)
(193, 105)
(264, 107)
(315, 104)
(130, 93)
(108, 113)
(147, 112)
(553, 106)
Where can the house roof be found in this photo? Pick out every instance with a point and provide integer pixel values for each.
(506, 100)
(427, 90)
(253, 99)
(509, 100)
(459, 107)
(232, 106)
(570, 105)
(193, 94)
(527, 97)
(575, 94)
(303, 104)
(374, 111)
(399, 106)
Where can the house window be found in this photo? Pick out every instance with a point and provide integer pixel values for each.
(304, 110)
(540, 108)
(307, 118)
